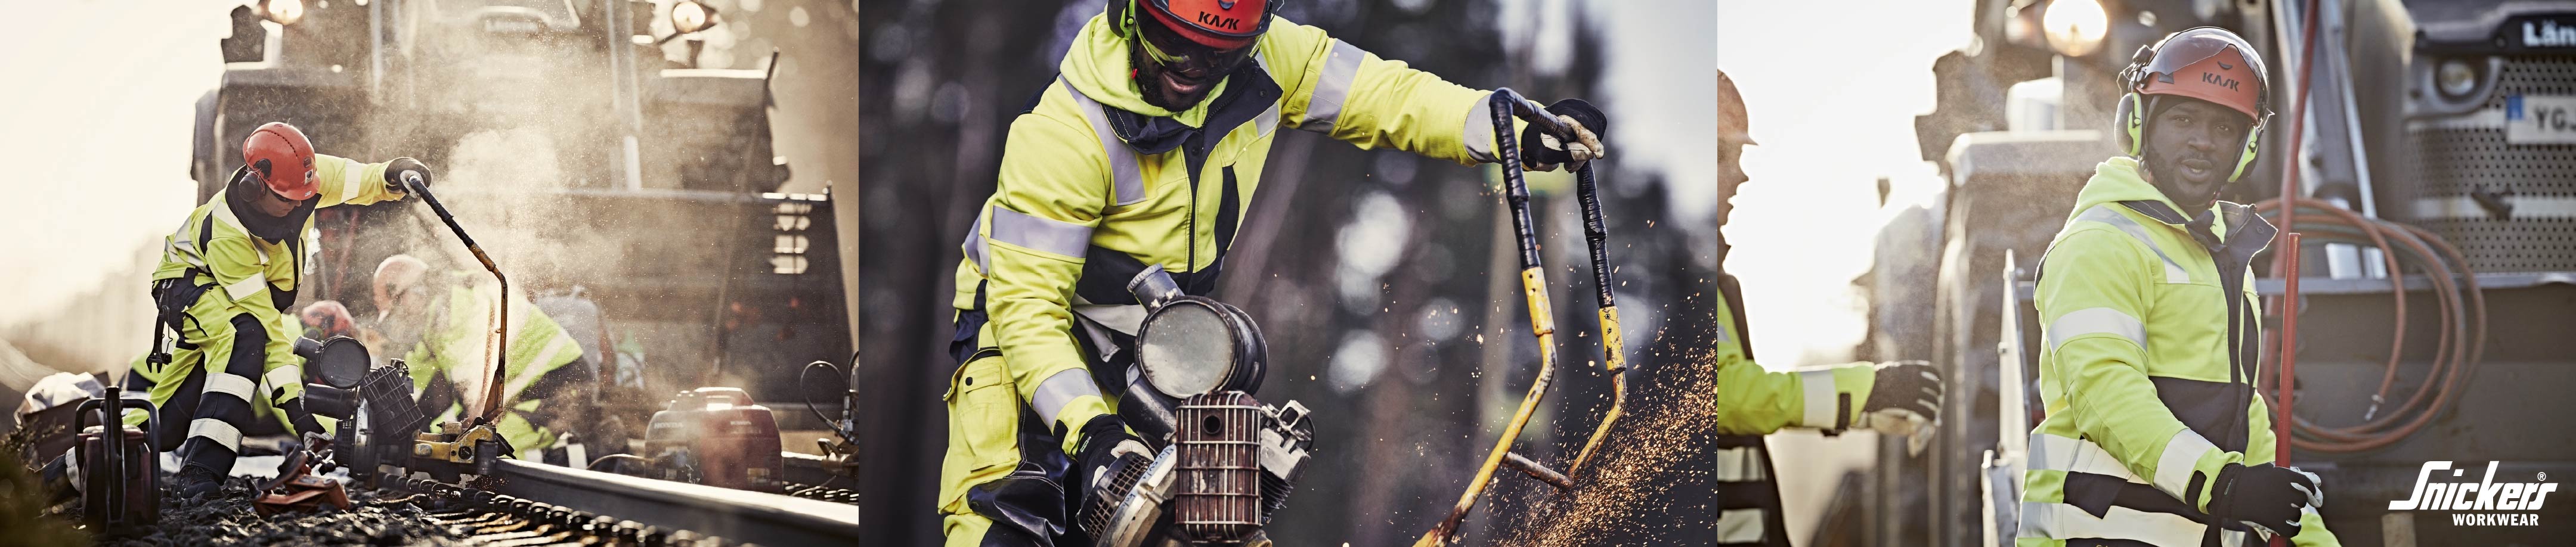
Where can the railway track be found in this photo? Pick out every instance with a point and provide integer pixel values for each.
(525, 504)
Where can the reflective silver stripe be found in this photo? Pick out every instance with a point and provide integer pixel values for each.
(1739, 526)
(242, 289)
(1125, 171)
(278, 378)
(2103, 214)
(1480, 134)
(1124, 318)
(1333, 87)
(1818, 386)
(1268, 121)
(72, 470)
(1040, 234)
(217, 431)
(974, 245)
(2173, 469)
(1738, 464)
(2052, 452)
(1060, 390)
(182, 245)
(2096, 321)
(350, 172)
(554, 348)
(233, 384)
(225, 214)
(2062, 521)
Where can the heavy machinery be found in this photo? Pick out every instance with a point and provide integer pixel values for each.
(2431, 156)
(1224, 462)
(622, 181)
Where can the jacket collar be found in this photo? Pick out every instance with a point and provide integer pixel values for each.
(1242, 97)
(2225, 229)
(236, 205)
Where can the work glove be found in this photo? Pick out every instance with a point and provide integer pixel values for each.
(2265, 497)
(395, 169)
(1904, 400)
(1106, 451)
(1571, 151)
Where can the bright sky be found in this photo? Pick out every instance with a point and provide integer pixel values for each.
(96, 138)
(1832, 90)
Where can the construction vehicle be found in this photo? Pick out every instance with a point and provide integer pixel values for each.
(1224, 462)
(2431, 148)
(626, 184)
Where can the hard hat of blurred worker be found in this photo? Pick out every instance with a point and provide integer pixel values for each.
(2205, 63)
(282, 158)
(1216, 24)
(398, 276)
(1732, 128)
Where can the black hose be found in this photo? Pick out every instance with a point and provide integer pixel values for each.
(801, 378)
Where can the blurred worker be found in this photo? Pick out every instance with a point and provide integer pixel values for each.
(2153, 429)
(225, 279)
(439, 323)
(1898, 398)
(1144, 152)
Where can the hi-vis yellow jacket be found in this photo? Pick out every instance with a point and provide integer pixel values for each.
(254, 276)
(2151, 327)
(454, 345)
(1095, 184)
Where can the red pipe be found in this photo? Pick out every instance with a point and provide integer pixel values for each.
(2289, 350)
(2298, 123)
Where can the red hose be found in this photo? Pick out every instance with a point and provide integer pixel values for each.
(2461, 333)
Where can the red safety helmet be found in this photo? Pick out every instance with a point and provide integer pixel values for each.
(280, 156)
(1217, 24)
(2205, 63)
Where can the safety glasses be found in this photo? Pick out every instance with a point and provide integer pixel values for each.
(1168, 48)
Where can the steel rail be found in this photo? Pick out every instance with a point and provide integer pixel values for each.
(739, 516)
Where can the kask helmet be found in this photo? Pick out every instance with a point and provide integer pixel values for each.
(2205, 63)
(281, 157)
(1217, 24)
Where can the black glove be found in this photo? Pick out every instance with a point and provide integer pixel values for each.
(1543, 151)
(395, 169)
(1105, 452)
(302, 418)
(1903, 390)
(2266, 497)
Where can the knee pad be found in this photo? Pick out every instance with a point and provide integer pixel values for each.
(250, 347)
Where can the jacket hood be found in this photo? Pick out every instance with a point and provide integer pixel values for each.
(1097, 64)
(2116, 180)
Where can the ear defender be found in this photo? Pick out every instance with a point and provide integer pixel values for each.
(1122, 22)
(2253, 143)
(2132, 117)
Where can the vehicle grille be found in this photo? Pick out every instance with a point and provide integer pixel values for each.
(2458, 161)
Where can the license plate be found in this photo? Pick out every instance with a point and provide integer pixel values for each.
(2540, 119)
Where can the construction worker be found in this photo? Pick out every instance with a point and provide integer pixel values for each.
(225, 280)
(439, 322)
(1143, 153)
(1898, 398)
(2153, 432)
